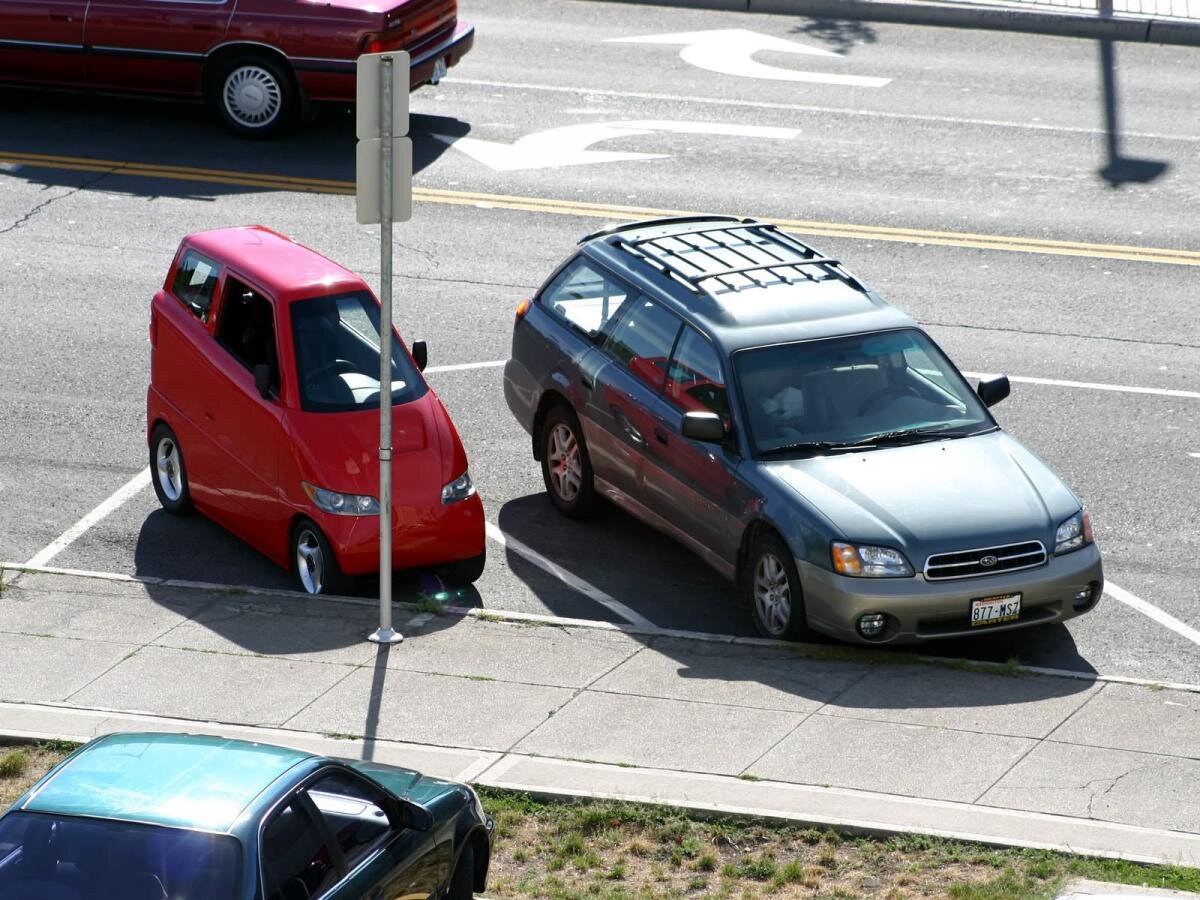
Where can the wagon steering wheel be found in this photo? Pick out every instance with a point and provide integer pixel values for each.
(336, 367)
(876, 401)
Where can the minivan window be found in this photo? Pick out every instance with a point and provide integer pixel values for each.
(852, 389)
(642, 341)
(336, 338)
(584, 297)
(196, 283)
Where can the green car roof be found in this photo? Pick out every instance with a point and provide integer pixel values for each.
(182, 780)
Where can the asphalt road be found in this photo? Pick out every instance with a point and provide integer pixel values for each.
(979, 144)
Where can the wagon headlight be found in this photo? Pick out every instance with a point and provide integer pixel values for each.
(868, 561)
(1074, 533)
(341, 504)
(459, 489)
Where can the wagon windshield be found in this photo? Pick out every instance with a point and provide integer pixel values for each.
(866, 389)
(74, 858)
(337, 355)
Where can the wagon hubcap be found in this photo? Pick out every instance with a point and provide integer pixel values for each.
(562, 456)
(170, 476)
(309, 562)
(772, 594)
(252, 95)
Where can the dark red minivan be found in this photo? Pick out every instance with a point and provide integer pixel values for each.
(259, 63)
(263, 414)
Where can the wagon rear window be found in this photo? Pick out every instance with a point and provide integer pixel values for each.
(196, 282)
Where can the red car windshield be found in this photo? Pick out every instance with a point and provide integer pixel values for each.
(70, 858)
(337, 355)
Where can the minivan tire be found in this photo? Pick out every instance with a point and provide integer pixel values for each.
(566, 467)
(168, 471)
(313, 561)
(771, 586)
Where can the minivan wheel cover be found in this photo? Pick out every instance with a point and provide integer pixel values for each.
(563, 463)
(772, 594)
(252, 96)
(310, 562)
(170, 472)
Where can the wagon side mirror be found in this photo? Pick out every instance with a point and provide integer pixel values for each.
(993, 390)
(703, 426)
(263, 380)
(420, 354)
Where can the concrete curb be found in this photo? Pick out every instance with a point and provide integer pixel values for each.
(810, 651)
(808, 805)
(962, 15)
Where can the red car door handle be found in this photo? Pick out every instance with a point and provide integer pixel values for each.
(59, 17)
(660, 435)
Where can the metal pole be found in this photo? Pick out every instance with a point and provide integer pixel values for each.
(385, 634)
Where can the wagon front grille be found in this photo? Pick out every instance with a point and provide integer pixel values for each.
(970, 563)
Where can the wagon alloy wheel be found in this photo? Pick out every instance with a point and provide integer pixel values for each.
(168, 471)
(566, 473)
(566, 469)
(771, 585)
(315, 564)
(252, 96)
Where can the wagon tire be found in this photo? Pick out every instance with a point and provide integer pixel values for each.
(254, 95)
(566, 466)
(314, 562)
(771, 587)
(168, 471)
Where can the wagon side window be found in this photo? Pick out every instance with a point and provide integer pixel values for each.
(196, 283)
(246, 327)
(584, 297)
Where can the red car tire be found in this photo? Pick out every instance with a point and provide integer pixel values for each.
(255, 95)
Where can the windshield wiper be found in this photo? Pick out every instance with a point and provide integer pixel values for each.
(906, 434)
(816, 446)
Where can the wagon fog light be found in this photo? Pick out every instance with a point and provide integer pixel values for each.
(459, 489)
(1086, 598)
(867, 561)
(341, 504)
(871, 625)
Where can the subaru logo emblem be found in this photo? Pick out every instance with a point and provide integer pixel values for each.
(988, 561)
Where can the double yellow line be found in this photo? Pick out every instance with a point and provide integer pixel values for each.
(607, 211)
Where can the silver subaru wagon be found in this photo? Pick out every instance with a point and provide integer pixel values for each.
(749, 397)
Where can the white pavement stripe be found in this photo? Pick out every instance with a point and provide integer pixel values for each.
(1095, 386)
(1153, 612)
(460, 367)
(573, 581)
(68, 537)
(1017, 379)
(799, 107)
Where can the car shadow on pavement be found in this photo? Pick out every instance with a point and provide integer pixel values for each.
(842, 35)
(667, 585)
(194, 549)
(148, 131)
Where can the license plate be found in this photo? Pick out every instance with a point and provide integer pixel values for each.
(991, 610)
(439, 70)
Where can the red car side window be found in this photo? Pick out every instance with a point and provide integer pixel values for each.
(196, 283)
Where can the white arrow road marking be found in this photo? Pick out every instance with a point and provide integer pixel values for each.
(567, 146)
(730, 51)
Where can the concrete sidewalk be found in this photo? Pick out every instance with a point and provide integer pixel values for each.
(1154, 21)
(821, 735)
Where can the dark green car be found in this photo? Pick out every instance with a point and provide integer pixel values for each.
(192, 817)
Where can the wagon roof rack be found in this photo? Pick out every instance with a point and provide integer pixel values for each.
(665, 220)
(736, 254)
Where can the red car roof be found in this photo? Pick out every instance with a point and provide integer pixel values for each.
(285, 269)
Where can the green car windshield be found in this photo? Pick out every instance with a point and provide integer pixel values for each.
(854, 391)
(75, 858)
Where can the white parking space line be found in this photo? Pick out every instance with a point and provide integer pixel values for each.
(799, 107)
(1153, 612)
(1095, 386)
(68, 537)
(462, 367)
(572, 581)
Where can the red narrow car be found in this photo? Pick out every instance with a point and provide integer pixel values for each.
(257, 62)
(263, 414)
